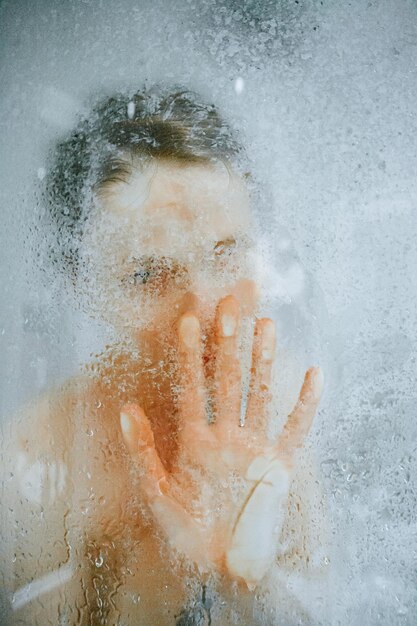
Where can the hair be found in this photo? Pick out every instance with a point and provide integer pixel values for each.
(152, 123)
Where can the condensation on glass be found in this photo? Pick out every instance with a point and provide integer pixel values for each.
(206, 213)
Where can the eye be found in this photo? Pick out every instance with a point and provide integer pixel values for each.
(156, 273)
(139, 271)
(140, 277)
(225, 247)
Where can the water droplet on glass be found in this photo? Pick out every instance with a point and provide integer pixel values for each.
(131, 110)
(239, 85)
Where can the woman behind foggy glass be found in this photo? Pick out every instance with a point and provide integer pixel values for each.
(147, 489)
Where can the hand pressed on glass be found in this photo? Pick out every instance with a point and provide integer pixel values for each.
(223, 504)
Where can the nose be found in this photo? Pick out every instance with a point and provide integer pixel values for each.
(204, 301)
(247, 293)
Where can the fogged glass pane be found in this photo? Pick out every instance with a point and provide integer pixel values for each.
(208, 313)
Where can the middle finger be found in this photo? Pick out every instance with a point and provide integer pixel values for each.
(227, 383)
(263, 353)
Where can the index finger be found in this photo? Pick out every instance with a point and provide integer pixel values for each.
(192, 396)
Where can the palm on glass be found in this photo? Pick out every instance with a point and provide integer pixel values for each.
(223, 503)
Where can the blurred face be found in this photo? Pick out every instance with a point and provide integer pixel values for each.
(172, 237)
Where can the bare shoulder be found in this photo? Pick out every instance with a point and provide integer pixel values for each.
(37, 446)
(43, 424)
(61, 480)
(35, 479)
(54, 441)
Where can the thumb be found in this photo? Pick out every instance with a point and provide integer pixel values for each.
(139, 440)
